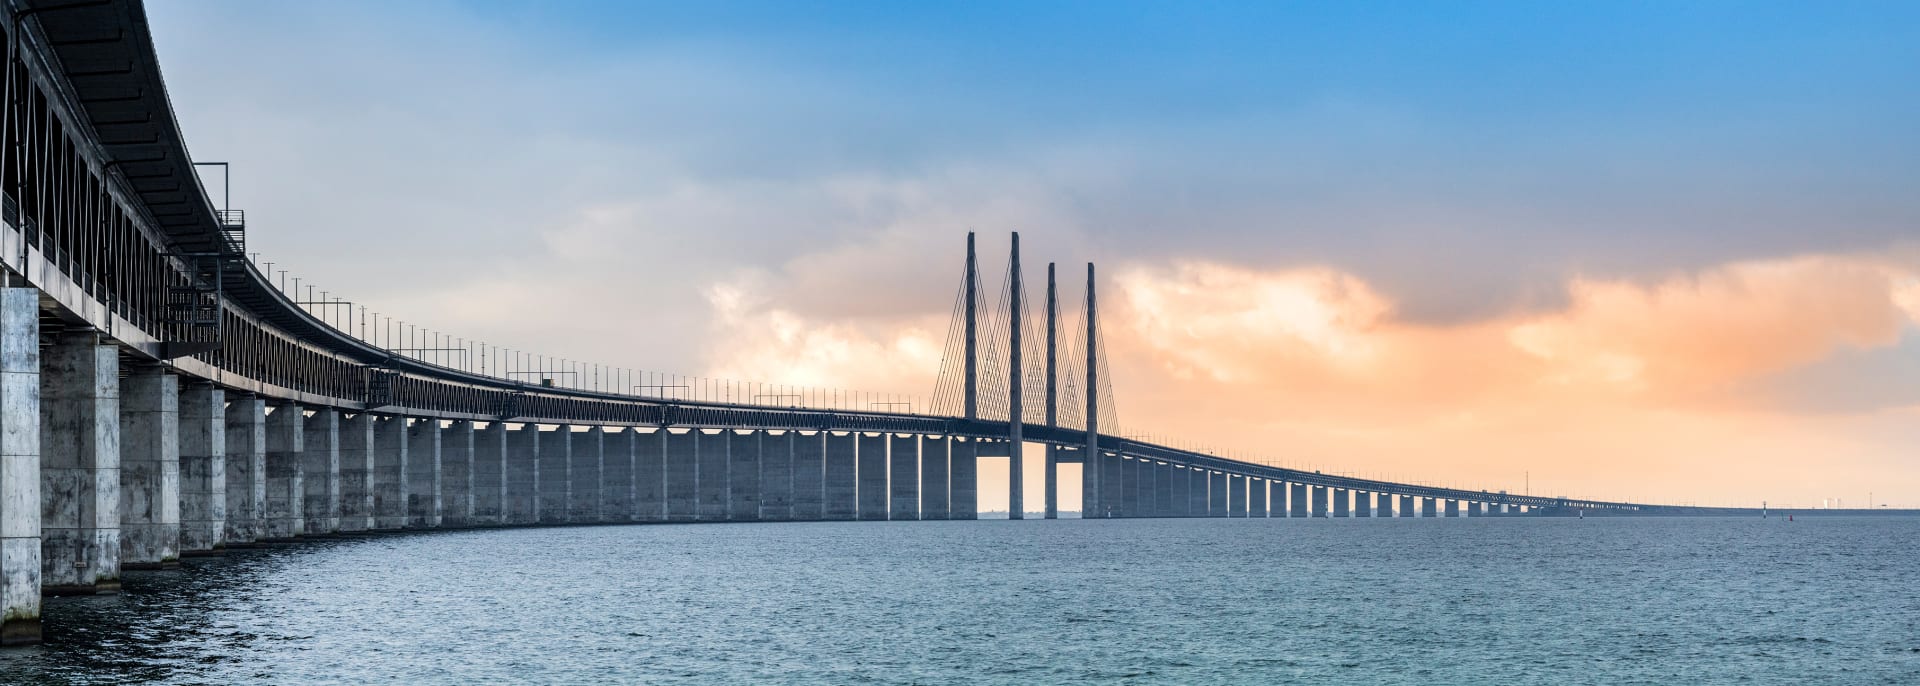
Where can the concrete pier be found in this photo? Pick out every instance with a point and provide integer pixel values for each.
(456, 474)
(964, 466)
(1236, 495)
(203, 468)
(1453, 508)
(356, 473)
(286, 483)
(246, 469)
(489, 476)
(1149, 489)
(390, 472)
(19, 466)
(1113, 482)
(1178, 489)
(1129, 470)
(1428, 507)
(618, 448)
(841, 485)
(1383, 505)
(712, 475)
(1405, 507)
(903, 477)
(522, 505)
(650, 476)
(80, 466)
(1164, 475)
(683, 475)
(743, 475)
(776, 476)
(149, 469)
(1217, 495)
(1317, 501)
(873, 476)
(586, 455)
(809, 475)
(1257, 498)
(423, 474)
(556, 475)
(1196, 492)
(320, 472)
(934, 497)
(1341, 501)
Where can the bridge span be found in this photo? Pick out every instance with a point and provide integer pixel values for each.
(161, 397)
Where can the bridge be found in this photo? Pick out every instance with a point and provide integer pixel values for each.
(164, 396)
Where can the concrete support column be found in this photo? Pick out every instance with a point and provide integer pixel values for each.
(203, 468)
(743, 475)
(1299, 500)
(1113, 484)
(650, 476)
(586, 474)
(490, 474)
(963, 466)
(873, 476)
(1149, 488)
(1236, 495)
(522, 505)
(1163, 505)
(423, 474)
(20, 406)
(1217, 495)
(1049, 483)
(809, 475)
(1383, 505)
(1193, 492)
(321, 471)
(356, 473)
(1129, 485)
(1453, 508)
(776, 476)
(80, 466)
(842, 486)
(1341, 500)
(903, 477)
(711, 475)
(1090, 507)
(1405, 507)
(1257, 498)
(1429, 507)
(150, 469)
(390, 472)
(556, 475)
(286, 484)
(456, 474)
(246, 469)
(1316, 501)
(617, 451)
(934, 497)
(683, 475)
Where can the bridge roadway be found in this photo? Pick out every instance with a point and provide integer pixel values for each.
(159, 398)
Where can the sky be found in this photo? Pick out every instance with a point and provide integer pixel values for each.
(1655, 251)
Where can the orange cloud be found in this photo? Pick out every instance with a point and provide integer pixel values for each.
(1632, 389)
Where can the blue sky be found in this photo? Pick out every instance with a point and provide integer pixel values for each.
(656, 184)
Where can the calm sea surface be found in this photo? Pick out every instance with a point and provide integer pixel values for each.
(1538, 601)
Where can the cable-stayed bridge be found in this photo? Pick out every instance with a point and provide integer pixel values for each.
(163, 393)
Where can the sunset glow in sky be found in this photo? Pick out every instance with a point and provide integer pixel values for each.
(1664, 252)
